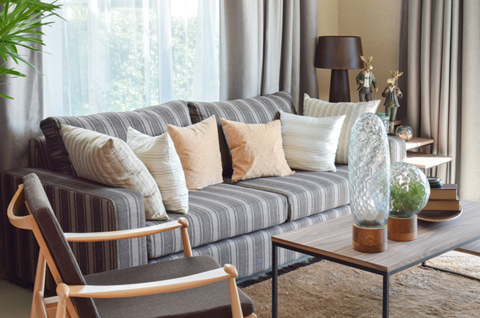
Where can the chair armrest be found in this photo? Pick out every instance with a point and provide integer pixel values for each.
(151, 288)
(398, 149)
(126, 234)
(80, 206)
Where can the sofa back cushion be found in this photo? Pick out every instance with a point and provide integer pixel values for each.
(151, 120)
(258, 110)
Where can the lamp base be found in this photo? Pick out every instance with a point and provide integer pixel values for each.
(402, 230)
(369, 240)
(339, 87)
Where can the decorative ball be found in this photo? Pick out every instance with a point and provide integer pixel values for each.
(405, 132)
(409, 190)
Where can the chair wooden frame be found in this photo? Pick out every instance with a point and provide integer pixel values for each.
(61, 306)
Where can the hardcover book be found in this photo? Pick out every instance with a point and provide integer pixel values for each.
(447, 192)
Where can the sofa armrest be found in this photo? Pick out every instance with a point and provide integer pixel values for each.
(80, 206)
(398, 149)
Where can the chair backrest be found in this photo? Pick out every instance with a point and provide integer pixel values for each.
(55, 242)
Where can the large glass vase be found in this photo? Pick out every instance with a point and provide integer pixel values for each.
(369, 172)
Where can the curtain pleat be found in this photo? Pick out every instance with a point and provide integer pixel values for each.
(267, 46)
(439, 52)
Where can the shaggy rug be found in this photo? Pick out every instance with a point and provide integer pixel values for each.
(326, 289)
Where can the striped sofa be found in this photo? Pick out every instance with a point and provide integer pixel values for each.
(232, 222)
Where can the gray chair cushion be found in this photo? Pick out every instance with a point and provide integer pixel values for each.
(62, 255)
(218, 212)
(307, 192)
(151, 120)
(258, 110)
(211, 300)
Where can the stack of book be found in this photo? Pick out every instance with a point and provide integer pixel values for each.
(444, 198)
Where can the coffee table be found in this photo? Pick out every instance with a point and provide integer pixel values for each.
(332, 240)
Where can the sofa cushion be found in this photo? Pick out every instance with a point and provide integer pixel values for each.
(218, 212)
(258, 110)
(151, 120)
(307, 192)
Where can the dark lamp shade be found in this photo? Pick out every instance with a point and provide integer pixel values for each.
(339, 52)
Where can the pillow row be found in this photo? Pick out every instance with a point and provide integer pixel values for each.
(165, 167)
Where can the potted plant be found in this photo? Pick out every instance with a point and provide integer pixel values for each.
(20, 26)
(409, 193)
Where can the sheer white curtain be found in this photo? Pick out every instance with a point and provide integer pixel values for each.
(115, 55)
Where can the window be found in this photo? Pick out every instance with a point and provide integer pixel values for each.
(116, 55)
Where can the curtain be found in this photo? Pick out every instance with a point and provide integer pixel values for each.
(267, 46)
(126, 54)
(439, 53)
(19, 121)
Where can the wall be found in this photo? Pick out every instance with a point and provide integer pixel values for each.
(377, 22)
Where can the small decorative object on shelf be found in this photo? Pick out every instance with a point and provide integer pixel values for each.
(385, 119)
(405, 132)
(409, 193)
(366, 81)
(369, 177)
(435, 182)
(392, 93)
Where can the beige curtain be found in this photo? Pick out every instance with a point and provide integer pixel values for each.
(439, 53)
(267, 46)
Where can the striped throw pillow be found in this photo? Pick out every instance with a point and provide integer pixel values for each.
(318, 108)
(161, 159)
(311, 143)
(110, 161)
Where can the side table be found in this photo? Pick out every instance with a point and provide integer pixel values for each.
(426, 161)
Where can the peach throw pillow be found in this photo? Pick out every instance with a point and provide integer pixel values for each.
(199, 151)
(256, 150)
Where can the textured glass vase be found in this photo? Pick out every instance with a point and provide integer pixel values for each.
(409, 190)
(369, 172)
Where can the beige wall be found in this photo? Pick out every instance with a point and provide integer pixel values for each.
(377, 22)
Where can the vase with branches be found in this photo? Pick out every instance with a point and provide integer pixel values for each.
(21, 23)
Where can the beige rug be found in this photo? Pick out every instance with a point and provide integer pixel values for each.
(326, 289)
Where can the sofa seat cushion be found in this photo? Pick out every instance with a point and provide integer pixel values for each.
(307, 192)
(218, 212)
(151, 121)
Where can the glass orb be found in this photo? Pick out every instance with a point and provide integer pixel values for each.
(369, 172)
(405, 132)
(409, 190)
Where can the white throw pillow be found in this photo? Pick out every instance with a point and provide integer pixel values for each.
(310, 143)
(318, 108)
(109, 160)
(161, 159)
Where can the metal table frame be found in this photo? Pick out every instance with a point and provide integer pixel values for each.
(386, 275)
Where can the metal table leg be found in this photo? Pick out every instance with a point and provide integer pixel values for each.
(274, 280)
(386, 294)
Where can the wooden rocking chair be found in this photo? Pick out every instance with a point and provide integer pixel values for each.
(194, 286)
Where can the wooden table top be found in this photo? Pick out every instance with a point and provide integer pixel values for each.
(426, 160)
(334, 239)
(416, 142)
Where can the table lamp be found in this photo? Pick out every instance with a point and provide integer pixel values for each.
(339, 53)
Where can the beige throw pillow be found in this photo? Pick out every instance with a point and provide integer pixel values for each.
(110, 161)
(199, 151)
(256, 149)
(161, 159)
(318, 108)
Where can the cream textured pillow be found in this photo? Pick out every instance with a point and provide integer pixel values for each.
(161, 159)
(199, 151)
(318, 108)
(256, 149)
(310, 143)
(110, 161)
